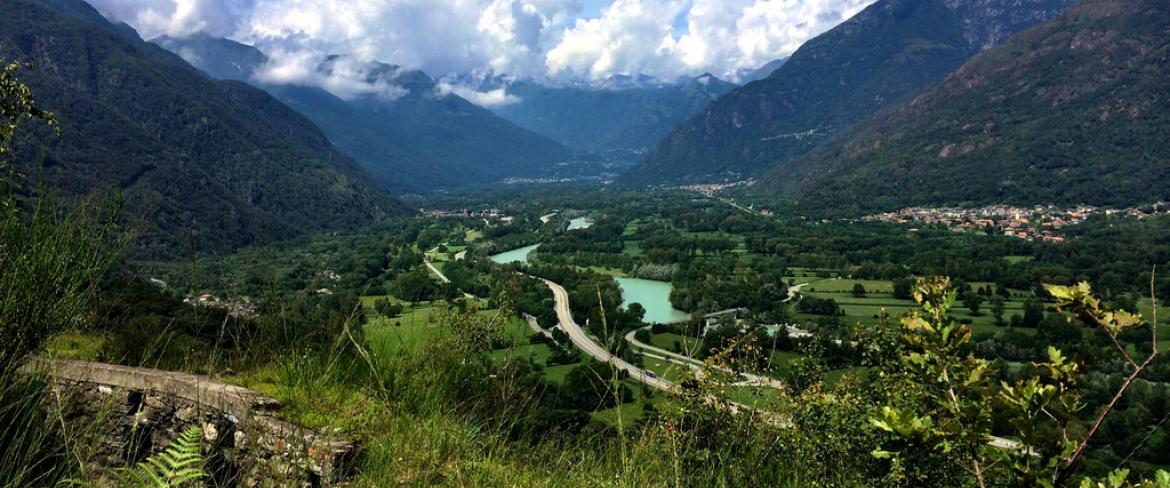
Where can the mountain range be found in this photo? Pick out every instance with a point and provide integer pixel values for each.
(630, 119)
(890, 51)
(1074, 110)
(415, 138)
(203, 165)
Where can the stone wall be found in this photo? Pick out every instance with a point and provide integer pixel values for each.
(140, 410)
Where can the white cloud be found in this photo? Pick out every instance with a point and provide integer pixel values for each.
(345, 77)
(525, 38)
(177, 18)
(631, 37)
(489, 99)
(721, 36)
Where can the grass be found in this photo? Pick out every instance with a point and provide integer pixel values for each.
(84, 346)
(558, 373)
(538, 353)
(1146, 309)
(866, 309)
(632, 411)
(417, 323)
(666, 370)
(846, 286)
(667, 341)
(617, 273)
(632, 249)
(631, 228)
(421, 322)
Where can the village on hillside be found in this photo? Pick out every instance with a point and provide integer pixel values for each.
(1039, 222)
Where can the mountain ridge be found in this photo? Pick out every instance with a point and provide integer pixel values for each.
(601, 119)
(889, 51)
(208, 166)
(1069, 111)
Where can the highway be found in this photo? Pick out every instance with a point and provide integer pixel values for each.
(586, 344)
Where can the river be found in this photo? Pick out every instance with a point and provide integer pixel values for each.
(654, 296)
(580, 223)
(514, 255)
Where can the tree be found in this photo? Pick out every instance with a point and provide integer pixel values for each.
(997, 309)
(973, 302)
(903, 288)
(939, 415)
(416, 286)
(819, 306)
(859, 290)
(591, 387)
(1002, 291)
(386, 308)
(51, 262)
(1033, 313)
(1016, 320)
(637, 311)
(16, 106)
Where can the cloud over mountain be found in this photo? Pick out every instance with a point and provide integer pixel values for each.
(558, 39)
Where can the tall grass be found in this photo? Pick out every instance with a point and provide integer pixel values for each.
(50, 263)
(445, 414)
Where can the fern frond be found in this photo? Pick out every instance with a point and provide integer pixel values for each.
(180, 463)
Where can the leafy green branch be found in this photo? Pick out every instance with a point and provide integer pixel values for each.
(941, 413)
(1081, 303)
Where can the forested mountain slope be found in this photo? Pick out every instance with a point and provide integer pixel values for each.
(1075, 110)
(891, 50)
(205, 165)
(422, 138)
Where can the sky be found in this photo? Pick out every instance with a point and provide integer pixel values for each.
(554, 40)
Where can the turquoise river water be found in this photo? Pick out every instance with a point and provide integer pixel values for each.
(654, 296)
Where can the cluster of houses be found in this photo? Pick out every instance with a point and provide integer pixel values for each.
(710, 189)
(1035, 223)
(239, 307)
(490, 213)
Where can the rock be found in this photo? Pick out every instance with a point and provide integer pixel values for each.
(210, 432)
(187, 414)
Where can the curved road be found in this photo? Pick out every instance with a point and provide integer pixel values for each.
(583, 342)
(439, 274)
(752, 379)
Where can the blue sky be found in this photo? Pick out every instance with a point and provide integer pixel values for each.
(554, 40)
(592, 8)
